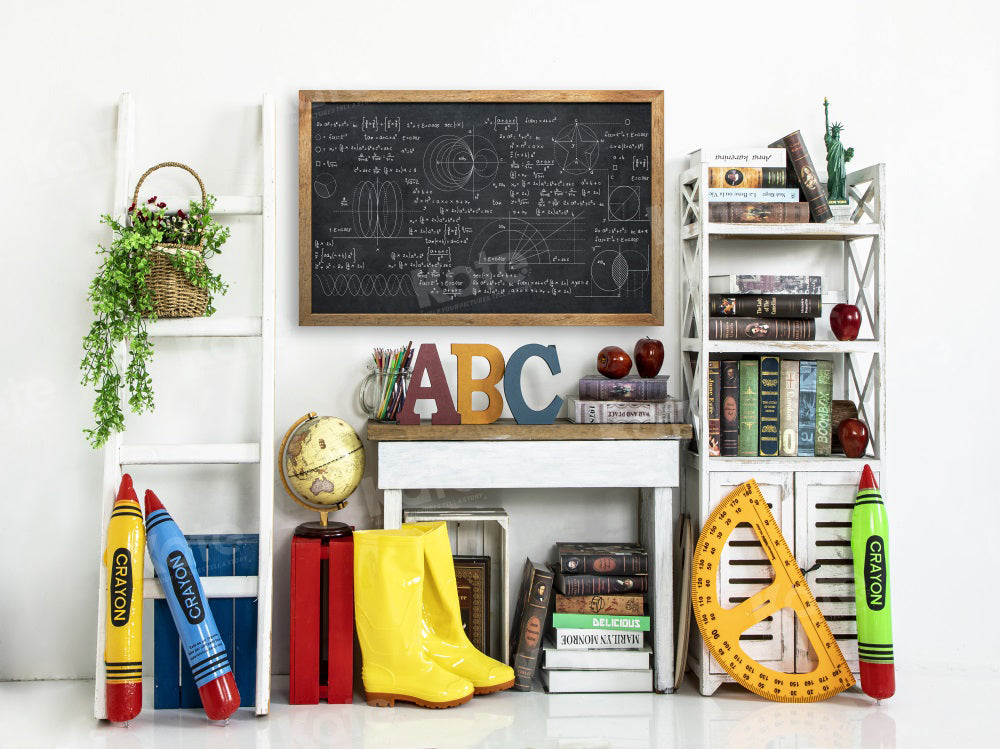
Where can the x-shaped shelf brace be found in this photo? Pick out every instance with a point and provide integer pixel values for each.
(691, 195)
(864, 277)
(693, 379)
(866, 202)
(866, 393)
(691, 265)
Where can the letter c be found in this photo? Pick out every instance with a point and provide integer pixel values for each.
(519, 409)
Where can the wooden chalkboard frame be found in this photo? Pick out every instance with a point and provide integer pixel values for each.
(654, 316)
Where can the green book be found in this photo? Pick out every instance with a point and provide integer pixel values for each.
(601, 621)
(824, 407)
(770, 375)
(749, 382)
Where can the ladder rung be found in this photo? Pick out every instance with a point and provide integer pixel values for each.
(215, 587)
(237, 452)
(205, 327)
(233, 205)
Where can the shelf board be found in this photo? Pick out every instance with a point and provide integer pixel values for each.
(831, 463)
(508, 430)
(782, 347)
(782, 231)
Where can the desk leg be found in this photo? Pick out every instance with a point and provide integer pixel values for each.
(656, 533)
(392, 508)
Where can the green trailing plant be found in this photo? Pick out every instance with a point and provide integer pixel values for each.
(122, 303)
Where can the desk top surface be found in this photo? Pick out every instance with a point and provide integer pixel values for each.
(508, 430)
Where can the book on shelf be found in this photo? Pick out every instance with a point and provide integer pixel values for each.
(727, 177)
(730, 421)
(771, 157)
(753, 194)
(760, 329)
(598, 681)
(770, 379)
(765, 305)
(630, 388)
(764, 284)
(749, 394)
(807, 409)
(669, 411)
(788, 397)
(758, 213)
(602, 558)
(824, 408)
(714, 419)
(595, 639)
(529, 623)
(632, 605)
(799, 162)
(595, 659)
(472, 580)
(588, 585)
(608, 622)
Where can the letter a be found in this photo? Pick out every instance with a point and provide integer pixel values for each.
(467, 386)
(428, 361)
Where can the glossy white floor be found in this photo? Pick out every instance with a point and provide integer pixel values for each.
(931, 709)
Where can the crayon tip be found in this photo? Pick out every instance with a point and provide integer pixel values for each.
(126, 492)
(868, 479)
(153, 503)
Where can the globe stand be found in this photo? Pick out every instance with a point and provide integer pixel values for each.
(319, 529)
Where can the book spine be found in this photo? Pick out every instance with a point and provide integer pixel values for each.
(807, 408)
(753, 195)
(632, 389)
(758, 213)
(770, 378)
(772, 157)
(601, 621)
(671, 411)
(812, 189)
(626, 604)
(824, 408)
(597, 563)
(589, 585)
(730, 392)
(745, 177)
(749, 395)
(592, 639)
(765, 305)
(789, 397)
(750, 284)
(531, 629)
(714, 422)
(760, 329)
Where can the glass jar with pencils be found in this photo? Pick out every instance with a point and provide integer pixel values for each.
(384, 388)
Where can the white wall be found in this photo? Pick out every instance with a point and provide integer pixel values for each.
(916, 83)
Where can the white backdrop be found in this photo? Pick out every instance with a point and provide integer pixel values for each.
(916, 84)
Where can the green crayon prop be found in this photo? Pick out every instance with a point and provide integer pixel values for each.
(870, 547)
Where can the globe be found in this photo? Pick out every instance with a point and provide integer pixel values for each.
(323, 461)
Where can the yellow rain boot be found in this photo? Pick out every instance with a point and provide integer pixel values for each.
(444, 637)
(388, 588)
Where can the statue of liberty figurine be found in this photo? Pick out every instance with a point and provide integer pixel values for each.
(836, 158)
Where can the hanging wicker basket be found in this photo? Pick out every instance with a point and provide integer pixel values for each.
(171, 293)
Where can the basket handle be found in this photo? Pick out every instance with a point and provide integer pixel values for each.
(204, 196)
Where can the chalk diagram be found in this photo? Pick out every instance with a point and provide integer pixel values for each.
(516, 242)
(619, 272)
(324, 185)
(365, 284)
(453, 162)
(377, 209)
(623, 203)
(576, 149)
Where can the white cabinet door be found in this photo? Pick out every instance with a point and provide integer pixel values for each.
(745, 569)
(824, 501)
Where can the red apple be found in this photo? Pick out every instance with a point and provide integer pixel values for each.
(845, 321)
(853, 434)
(613, 362)
(648, 353)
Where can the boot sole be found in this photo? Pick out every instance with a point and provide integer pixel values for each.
(494, 688)
(382, 699)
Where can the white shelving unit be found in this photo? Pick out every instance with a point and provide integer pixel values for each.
(811, 498)
(118, 455)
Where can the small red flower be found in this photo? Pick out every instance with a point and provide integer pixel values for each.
(131, 207)
(181, 214)
(161, 205)
(152, 200)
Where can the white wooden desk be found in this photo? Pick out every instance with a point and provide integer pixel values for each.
(506, 455)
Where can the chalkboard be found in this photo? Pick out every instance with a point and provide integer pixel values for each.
(481, 207)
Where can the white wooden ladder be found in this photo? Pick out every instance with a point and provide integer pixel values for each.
(118, 455)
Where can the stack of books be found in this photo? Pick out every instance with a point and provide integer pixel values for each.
(764, 308)
(629, 400)
(596, 637)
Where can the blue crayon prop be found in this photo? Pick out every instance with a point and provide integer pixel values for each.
(200, 638)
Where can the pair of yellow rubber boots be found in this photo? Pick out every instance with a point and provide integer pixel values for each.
(413, 645)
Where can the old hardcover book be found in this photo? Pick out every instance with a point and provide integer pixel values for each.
(596, 639)
(789, 408)
(472, 577)
(824, 407)
(670, 411)
(749, 395)
(770, 389)
(758, 213)
(529, 623)
(631, 388)
(746, 176)
(765, 305)
(559, 681)
(714, 420)
(596, 659)
(799, 161)
(753, 195)
(602, 559)
(773, 157)
(588, 585)
(633, 605)
(758, 284)
(613, 622)
(730, 422)
(807, 408)
(761, 329)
